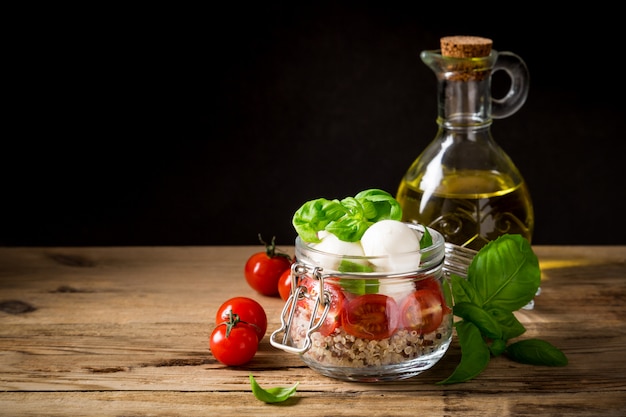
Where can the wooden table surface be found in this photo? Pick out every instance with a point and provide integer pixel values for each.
(123, 331)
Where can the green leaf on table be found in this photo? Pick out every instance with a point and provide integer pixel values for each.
(475, 354)
(497, 347)
(502, 278)
(463, 291)
(510, 325)
(505, 273)
(485, 322)
(272, 395)
(536, 352)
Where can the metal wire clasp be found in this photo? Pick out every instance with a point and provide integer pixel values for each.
(299, 292)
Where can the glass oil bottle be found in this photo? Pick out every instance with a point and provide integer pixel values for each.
(463, 184)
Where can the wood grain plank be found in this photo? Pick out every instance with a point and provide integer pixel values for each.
(410, 404)
(124, 331)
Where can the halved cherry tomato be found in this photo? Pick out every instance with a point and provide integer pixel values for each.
(429, 283)
(233, 343)
(337, 299)
(434, 285)
(371, 316)
(263, 269)
(248, 310)
(422, 311)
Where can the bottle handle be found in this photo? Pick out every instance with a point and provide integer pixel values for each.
(514, 99)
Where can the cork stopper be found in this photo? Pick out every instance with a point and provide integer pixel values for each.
(465, 46)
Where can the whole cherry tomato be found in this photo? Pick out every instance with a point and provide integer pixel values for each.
(284, 284)
(248, 311)
(233, 343)
(263, 269)
(336, 298)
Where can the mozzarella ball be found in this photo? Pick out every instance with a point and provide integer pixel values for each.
(335, 248)
(396, 243)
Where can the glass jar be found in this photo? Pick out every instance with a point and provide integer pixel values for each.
(378, 318)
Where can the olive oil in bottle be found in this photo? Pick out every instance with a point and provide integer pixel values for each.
(471, 207)
(463, 184)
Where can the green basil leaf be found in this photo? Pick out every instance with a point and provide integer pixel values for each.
(446, 288)
(355, 209)
(349, 266)
(485, 322)
(359, 286)
(510, 325)
(356, 285)
(272, 395)
(358, 208)
(506, 273)
(536, 352)
(426, 240)
(380, 205)
(497, 347)
(464, 291)
(347, 219)
(314, 216)
(475, 354)
(348, 229)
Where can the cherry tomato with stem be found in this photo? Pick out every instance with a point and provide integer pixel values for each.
(248, 310)
(263, 269)
(234, 342)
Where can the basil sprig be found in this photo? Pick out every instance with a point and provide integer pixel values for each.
(503, 277)
(347, 219)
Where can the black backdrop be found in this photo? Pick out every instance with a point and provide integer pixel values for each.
(205, 127)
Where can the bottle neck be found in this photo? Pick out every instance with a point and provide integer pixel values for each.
(463, 88)
(464, 103)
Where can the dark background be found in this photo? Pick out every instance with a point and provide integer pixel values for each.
(209, 126)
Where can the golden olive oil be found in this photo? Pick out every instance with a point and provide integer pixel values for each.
(469, 207)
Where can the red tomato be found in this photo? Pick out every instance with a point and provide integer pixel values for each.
(371, 316)
(434, 285)
(422, 311)
(263, 270)
(284, 284)
(428, 284)
(233, 343)
(248, 310)
(337, 299)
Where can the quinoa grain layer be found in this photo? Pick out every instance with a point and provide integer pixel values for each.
(345, 350)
